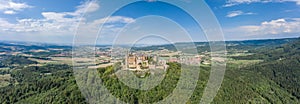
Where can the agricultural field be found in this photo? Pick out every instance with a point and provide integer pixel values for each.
(5, 80)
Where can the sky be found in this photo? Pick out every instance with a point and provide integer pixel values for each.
(56, 21)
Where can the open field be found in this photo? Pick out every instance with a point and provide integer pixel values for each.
(4, 80)
(61, 60)
(41, 61)
(101, 66)
(242, 63)
(240, 54)
(4, 69)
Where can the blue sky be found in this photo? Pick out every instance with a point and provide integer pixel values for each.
(56, 21)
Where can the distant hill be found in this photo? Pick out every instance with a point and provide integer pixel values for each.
(241, 45)
(26, 46)
(263, 42)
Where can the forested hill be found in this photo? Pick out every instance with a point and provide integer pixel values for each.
(274, 52)
(282, 65)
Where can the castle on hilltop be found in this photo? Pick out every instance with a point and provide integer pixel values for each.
(134, 61)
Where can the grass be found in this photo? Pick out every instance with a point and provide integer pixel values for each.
(240, 54)
(60, 60)
(4, 69)
(242, 63)
(5, 80)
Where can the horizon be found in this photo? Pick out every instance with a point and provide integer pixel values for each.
(143, 45)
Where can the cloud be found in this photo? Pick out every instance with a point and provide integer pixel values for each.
(274, 27)
(9, 12)
(111, 25)
(11, 7)
(55, 22)
(230, 3)
(64, 23)
(114, 19)
(87, 7)
(238, 13)
(151, 0)
(61, 26)
(297, 1)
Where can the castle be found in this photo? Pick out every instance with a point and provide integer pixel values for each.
(137, 61)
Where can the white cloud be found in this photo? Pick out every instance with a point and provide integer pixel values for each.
(114, 19)
(273, 27)
(54, 22)
(60, 26)
(151, 0)
(64, 23)
(4, 23)
(111, 25)
(9, 12)
(11, 7)
(87, 7)
(237, 13)
(237, 2)
(296, 1)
